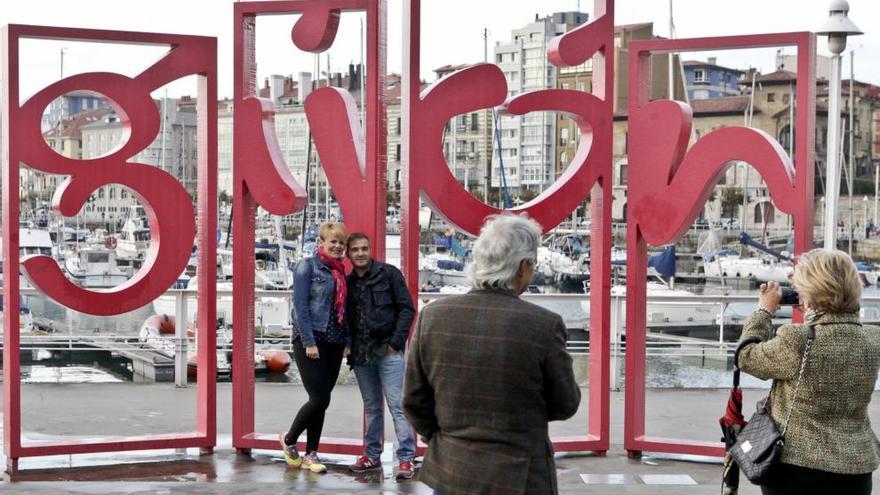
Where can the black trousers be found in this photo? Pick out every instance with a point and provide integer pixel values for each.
(318, 377)
(791, 480)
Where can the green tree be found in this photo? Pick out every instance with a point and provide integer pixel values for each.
(731, 199)
(527, 195)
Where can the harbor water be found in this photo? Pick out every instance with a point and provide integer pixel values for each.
(664, 370)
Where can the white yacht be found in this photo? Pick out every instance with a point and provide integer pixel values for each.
(95, 267)
(30, 242)
(762, 269)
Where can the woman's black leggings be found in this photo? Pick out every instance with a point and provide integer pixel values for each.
(319, 378)
(791, 480)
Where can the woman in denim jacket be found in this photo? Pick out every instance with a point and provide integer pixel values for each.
(320, 340)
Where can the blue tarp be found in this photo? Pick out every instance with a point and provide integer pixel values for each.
(450, 265)
(664, 262)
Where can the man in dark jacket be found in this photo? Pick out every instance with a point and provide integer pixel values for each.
(379, 313)
(486, 371)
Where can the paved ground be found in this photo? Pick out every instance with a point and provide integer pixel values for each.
(113, 409)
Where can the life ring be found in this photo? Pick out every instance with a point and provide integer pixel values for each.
(261, 265)
(276, 361)
(110, 242)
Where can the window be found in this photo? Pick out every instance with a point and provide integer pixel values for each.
(701, 94)
(398, 126)
(771, 97)
(99, 257)
(623, 174)
(397, 153)
(785, 137)
(786, 98)
(563, 136)
(700, 75)
(475, 122)
(580, 86)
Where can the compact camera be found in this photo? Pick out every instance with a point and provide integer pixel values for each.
(790, 297)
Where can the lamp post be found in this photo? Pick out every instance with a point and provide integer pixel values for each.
(837, 28)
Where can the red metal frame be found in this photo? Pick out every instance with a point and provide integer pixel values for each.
(167, 204)
(669, 184)
(355, 167)
(481, 86)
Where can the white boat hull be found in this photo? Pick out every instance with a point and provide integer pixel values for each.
(757, 268)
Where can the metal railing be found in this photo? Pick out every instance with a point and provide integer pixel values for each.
(179, 344)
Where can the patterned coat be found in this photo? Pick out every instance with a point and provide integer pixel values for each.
(829, 428)
(486, 372)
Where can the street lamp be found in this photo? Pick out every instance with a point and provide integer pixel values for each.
(837, 28)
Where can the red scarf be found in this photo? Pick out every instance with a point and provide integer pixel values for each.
(337, 268)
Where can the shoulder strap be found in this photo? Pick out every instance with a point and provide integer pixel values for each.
(811, 335)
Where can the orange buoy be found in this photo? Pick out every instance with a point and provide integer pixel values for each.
(276, 361)
(163, 323)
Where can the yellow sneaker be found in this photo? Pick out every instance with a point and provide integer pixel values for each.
(313, 464)
(291, 456)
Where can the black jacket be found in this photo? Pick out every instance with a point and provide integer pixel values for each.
(389, 312)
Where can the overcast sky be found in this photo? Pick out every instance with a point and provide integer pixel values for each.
(452, 32)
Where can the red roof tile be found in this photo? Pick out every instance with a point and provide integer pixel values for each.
(732, 104)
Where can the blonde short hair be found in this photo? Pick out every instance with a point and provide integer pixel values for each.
(331, 229)
(828, 280)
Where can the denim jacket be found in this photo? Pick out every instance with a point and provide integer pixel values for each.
(313, 294)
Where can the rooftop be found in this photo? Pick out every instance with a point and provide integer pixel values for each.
(728, 105)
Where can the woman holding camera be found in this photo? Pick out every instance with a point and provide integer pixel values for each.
(829, 444)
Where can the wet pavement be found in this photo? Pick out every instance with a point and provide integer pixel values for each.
(84, 410)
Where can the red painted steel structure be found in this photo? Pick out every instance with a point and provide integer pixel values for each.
(168, 207)
(481, 86)
(669, 184)
(354, 165)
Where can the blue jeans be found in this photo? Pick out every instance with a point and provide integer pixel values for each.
(373, 378)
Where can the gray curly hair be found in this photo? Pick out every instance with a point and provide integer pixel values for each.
(505, 240)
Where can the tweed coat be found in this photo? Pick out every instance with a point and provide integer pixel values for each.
(486, 371)
(829, 429)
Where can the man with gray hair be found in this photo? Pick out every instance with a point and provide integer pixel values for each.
(487, 371)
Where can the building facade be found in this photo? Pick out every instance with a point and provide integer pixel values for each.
(527, 150)
(710, 80)
(174, 150)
